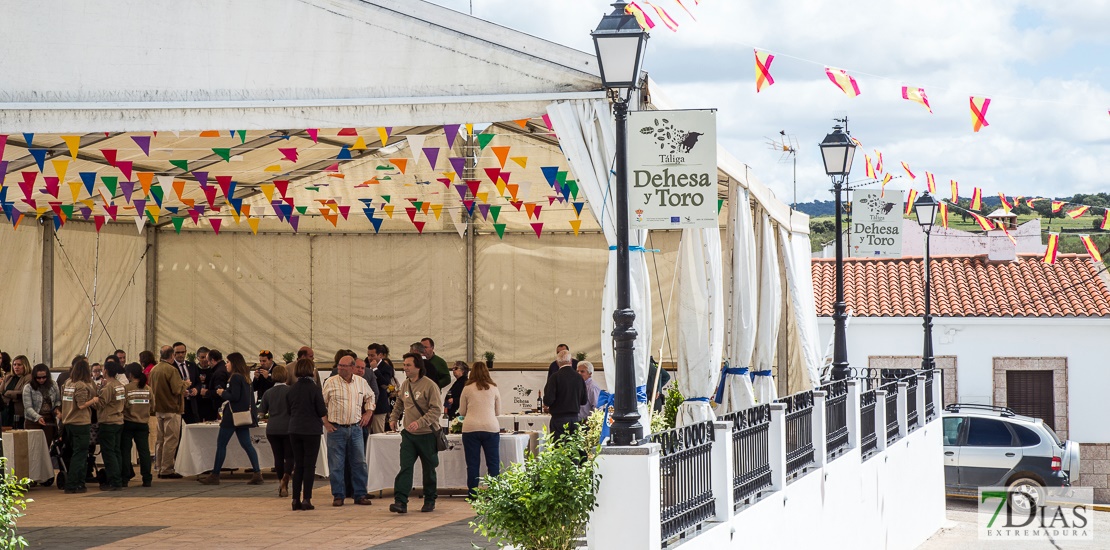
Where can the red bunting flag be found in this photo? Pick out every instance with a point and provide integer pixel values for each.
(1050, 249)
(1091, 248)
(1073, 214)
(538, 228)
(977, 199)
(979, 106)
(763, 77)
(910, 197)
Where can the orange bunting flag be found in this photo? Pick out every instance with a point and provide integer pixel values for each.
(1051, 248)
(878, 161)
(931, 182)
(843, 80)
(910, 198)
(979, 107)
(1005, 203)
(1091, 248)
(1105, 220)
(1002, 226)
(886, 180)
(1057, 206)
(763, 70)
(906, 167)
(870, 168)
(642, 18)
(977, 199)
(664, 17)
(918, 95)
(983, 221)
(955, 191)
(944, 215)
(1073, 214)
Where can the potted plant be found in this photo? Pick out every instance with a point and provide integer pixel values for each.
(581, 356)
(489, 359)
(544, 503)
(288, 357)
(12, 505)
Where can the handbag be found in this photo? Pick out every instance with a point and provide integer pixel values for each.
(239, 418)
(441, 438)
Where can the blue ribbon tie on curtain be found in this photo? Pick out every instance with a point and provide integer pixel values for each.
(636, 248)
(719, 397)
(760, 373)
(606, 400)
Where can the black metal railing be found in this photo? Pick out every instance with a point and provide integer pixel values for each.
(891, 411)
(911, 403)
(751, 459)
(685, 478)
(836, 418)
(799, 432)
(930, 406)
(868, 438)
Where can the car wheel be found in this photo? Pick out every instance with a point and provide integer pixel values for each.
(1025, 494)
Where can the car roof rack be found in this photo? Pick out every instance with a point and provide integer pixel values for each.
(955, 407)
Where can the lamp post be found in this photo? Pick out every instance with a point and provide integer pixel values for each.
(926, 209)
(620, 45)
(837, 150)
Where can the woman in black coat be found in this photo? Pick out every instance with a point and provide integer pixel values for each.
(305, 402)
(238, 397)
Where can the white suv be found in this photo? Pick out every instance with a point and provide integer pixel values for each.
(986, 446)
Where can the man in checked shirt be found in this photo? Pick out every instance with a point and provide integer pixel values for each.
(350, 404)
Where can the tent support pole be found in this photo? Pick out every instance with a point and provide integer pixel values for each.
(47, 304)
(468, 173)
(151, 288)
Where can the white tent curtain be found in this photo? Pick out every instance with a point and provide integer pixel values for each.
(735, 387)
(799, 280)
(770, 311)
(700, 323)
(587, 136)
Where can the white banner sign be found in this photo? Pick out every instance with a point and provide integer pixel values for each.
(672, 169)
(876, 229)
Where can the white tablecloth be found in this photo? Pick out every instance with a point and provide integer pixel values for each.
(383, 452)
(39, 467)
(197, 451)
(524, 422)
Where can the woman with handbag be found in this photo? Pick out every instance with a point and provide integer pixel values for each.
(418, 410)
(238, 418)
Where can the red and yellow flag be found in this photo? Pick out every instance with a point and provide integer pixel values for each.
(906, 167)
(1073, 214)
(1030, 202)
(1005, 203)
(977, 199)
(931, 182)
(1002, 226)
(886, 180)
(1105, 220)
(1051, 248)
(878, 161)
(642, 18)
(870, 168)
(982, 221)
(1091, 248)
(1057, 206)
(910, 197)
(763, 70)
(955, 191)
(843, 80)
(944, 215)
(918, 95)
(979, 106)
(664, 17)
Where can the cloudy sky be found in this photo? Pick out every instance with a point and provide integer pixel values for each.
(1045, 66)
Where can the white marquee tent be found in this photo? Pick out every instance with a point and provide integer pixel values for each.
(447, 126)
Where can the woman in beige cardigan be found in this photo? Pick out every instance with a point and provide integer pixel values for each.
(479, 406)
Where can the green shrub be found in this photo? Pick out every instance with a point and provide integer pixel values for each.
(670, 407)
(12, 506)
(544, 503)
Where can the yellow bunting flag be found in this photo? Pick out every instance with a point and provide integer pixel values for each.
(521, 161)
(931, 182)
(910, 197)
(74, 144)
(482, 197)
(1091, 248)
(576, 225)
(253, 222)
(383, 134)
(60, 168)
(1051, 248)
(267, 191)
(982, 221)
(437, 209)
(388, 210)
(955, 191)
(360, 144)
(75, 189)
(272, 168)
(979, 106)
(944, 215)
(976, 199)
(843, 80)
(1073, 214)
(763, 70)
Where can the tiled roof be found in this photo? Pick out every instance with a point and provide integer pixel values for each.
(965, 286)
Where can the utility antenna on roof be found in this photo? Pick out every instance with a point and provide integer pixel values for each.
(788, 146)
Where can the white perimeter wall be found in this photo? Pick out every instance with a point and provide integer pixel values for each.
(975, 341)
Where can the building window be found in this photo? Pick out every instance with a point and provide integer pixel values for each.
(1029, 392)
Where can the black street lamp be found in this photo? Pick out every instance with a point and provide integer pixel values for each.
(837, 150)
(620, 45)
(926, 209)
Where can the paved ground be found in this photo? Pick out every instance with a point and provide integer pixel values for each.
(961, 533)
(174, 513)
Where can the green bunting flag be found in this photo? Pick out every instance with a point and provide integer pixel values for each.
(495, 211)
(223, 152)
(177, 223)
(110, 182)
(484, 139)
(182, 164)
(499, 227)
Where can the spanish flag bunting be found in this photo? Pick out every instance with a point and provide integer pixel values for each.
(1002, 226)
(1030, 202)
(931, 182)
(886, 180)
(763, 77)
(878, 161)
(664, 17)
(843, 80)
(944, 215)
(979, 106)
(1050, 249)
(983, 222)
(1073, 214)
(977, 199)
(870, 168)
(1091, 248)
(909, 172)
(1105, 220)
(910, 197)
(642, 19)
(679, 2)
(917, 95)
(1005, 203)
(1057, 206)
(955, 191)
